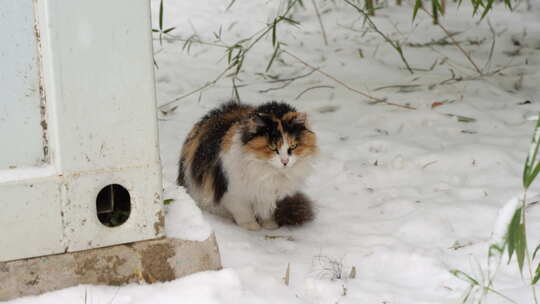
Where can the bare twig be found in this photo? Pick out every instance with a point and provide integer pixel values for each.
(286, 82)
(394, 44)
(205, 86)
(238, 60)
(284, 85)
(193, 39)
(294, 77)
(348, 87)
(323, 31)
(286, 278)
(275, 237)
(312, 88)
(448, 34)
(399, 86)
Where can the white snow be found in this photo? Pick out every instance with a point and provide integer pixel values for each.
(404, 196)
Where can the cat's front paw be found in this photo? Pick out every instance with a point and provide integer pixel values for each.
(270, 224)
(251, 226)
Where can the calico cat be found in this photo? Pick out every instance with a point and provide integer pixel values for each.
(249, 162)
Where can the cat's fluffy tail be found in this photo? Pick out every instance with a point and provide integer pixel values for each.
(294, 210)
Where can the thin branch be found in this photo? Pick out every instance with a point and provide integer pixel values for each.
(449, 35)
(193, 39)
(295, 77)
(312, 88)
(253, 39)
(284, 85)
(348, 87)
(206, 85)
(399, 86)
(323, 31)
(392, 43)
(286, 82)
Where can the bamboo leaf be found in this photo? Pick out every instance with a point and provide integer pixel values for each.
(488, 7)
(274, 33)
(168, 201)
(155, 31)
(161, 15)
(532, 168)
(417, 6)
(511, 236)
(535, 251)
(464, 277)
(274, 55)
(291, 21)
(536, 275)
(522, 246)
(169, 29)
(229, 55)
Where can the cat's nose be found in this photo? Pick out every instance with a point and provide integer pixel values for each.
(285, 161)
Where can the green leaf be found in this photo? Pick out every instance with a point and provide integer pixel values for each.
(465, 119)
(511, 233)
(274, 55)
(239, 43)
(531, 171)
(463, 276)
(436, 6)
(169, 29)
(521, 249)
(489, 6)
(291, 21)
(495, 250)
(155, 31)
(168, 201)
(274, 33)
(417, 6)
(161, 15)
(535, 251)
(536, 275)
(517, 239)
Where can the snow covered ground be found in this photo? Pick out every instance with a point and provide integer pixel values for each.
(403, 196)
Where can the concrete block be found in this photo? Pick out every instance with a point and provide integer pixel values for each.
(150, 261)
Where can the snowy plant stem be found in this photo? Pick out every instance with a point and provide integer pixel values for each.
(323, 31)
(501, 295)
(348, 87)
(527, 255)
(454, 42)
(393, 44)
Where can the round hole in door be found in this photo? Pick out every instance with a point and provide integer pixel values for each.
(113, 204)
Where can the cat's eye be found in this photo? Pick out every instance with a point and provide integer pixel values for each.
(272, 147)
(293, 146)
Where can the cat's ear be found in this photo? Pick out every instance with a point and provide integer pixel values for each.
(300, 118)
(296, 118)
(254, 121)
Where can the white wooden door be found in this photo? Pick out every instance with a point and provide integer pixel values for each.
(77, 114)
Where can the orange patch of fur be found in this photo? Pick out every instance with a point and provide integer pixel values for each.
(259, 147)
(191, 145)
(307, 144)
(208, 185)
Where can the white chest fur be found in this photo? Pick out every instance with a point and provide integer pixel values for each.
(256, 182)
